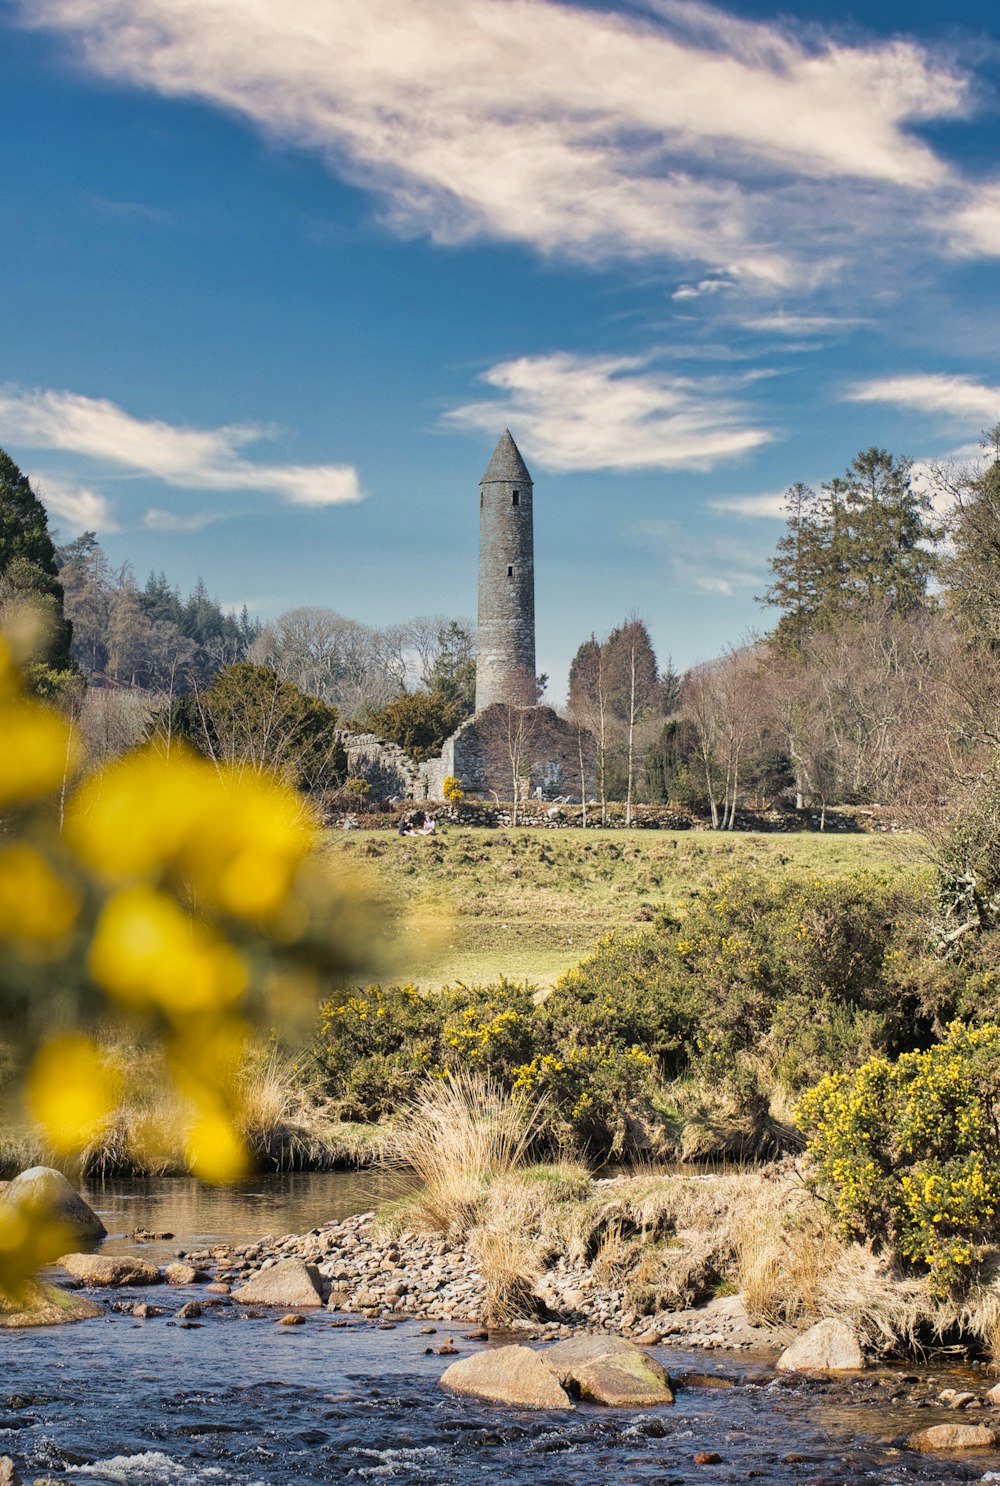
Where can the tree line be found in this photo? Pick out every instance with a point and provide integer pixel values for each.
(878, 683)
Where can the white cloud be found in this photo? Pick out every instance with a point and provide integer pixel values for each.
(957, 397)
(601, 412)
(770, 506)
(80, 507)
(188, 458)
(975, 226)
(572, 128)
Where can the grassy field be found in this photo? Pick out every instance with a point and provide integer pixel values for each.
(527, 904)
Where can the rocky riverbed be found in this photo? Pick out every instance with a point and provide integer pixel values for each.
(360, 1271)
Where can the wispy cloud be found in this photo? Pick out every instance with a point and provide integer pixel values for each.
(770, 506)
(81, 508)
(600, 412)
(187, 458)
(785, 323)
(705, 563)
(702, 288)
(575, 129)
(157, 519)
(957, 397)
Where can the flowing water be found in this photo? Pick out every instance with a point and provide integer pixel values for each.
(121, 1402)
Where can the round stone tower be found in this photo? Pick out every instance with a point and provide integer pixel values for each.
(505, 637)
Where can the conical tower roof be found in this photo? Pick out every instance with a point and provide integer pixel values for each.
(506, 463)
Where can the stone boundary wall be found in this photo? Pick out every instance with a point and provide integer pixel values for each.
(538, 815)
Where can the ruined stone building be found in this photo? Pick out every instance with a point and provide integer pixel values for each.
(509, 735)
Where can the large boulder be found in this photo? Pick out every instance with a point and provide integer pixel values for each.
(512, 1375)
(609, 1370)
(288, 1283)
(953, 1437)
(48, 1192)
(829, 1346)
(111, 1269)
(46, 1305)
(8, 1472)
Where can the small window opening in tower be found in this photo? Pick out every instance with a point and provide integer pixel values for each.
(510, 572)
(516, 498)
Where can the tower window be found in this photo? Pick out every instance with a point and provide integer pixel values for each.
(516, 498)
(510, 572)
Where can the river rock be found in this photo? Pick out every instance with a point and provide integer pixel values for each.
(829, 1346)
(46, 1305)
(514, 1375)
(953, 1437)
(609, 1370)
(993, 1396)
(111, 1269)
(47, 1191)
(8, 1472)
(287, 1283)
(184, 1274)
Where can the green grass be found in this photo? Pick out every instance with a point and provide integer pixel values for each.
(528, 904)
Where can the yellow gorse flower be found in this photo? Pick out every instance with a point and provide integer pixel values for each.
(235, 840)
(37, 906)
(147, 951)
(186, 897)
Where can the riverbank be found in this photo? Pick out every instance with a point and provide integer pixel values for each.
(740, 1261)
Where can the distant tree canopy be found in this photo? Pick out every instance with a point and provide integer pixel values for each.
(866, 539)
(250, 718)
(147, 637)
(28, 571)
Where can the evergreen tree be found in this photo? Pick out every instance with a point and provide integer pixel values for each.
(804, 564)
(454, 670)
(866, 540)
(419, 721)
(885, 538)
(28, 569)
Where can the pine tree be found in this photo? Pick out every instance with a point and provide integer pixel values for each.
(866, 540)
(28, 569)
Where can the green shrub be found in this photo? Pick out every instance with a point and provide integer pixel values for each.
(908, 1153)
(755, 991)
(799, 977)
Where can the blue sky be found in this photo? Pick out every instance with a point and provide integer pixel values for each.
(275, 277)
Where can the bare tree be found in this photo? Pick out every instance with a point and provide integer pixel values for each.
(510, 736)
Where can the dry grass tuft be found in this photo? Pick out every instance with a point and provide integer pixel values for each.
(458, 1135)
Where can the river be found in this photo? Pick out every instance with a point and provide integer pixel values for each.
(121, 1402)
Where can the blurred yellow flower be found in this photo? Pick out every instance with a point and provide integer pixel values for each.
(71, 1091)
(216, 1151)
(37, 908)
(235, 840)
(37, 753)
(250, 837)
(133, 817)
(146, 951)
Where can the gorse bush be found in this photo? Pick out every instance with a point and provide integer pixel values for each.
(908, 1153)
(750, 995)
(788, 978)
